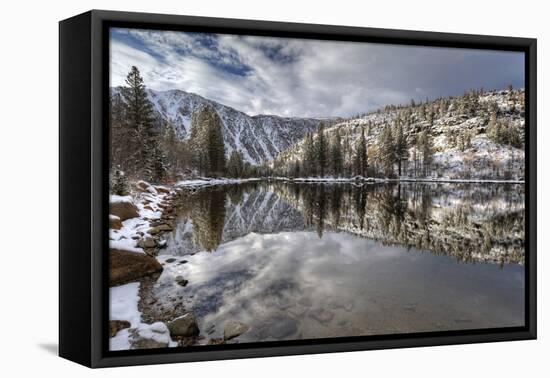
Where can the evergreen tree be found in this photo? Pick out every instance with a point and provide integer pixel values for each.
(176, 151)
(296, 169)
(401, 148)
(309, 165)
(321, 150)
(347, 156)
(386, 150)
(360, 160)
(206, 142)
(336, 156)
(139, 115)
(119, 134)
(155, 161)
(426, 149)
(119, 183)
(216, 145)
(235, 164)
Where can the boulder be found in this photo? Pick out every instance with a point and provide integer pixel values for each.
(232, 329)
(149, 336)
(126, 266)
(144, 186)
(114, 222)
(185, 326)
(147, 242)
(164, 227)
(162, 189)
(153, 231)
(123, 207)
(117, 325)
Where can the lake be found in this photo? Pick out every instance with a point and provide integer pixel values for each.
(302, 261)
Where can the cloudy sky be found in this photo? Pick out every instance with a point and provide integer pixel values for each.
(308, 78)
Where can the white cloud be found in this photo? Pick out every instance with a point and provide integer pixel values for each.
(296, 77)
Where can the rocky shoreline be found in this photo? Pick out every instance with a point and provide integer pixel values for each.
(138, 223)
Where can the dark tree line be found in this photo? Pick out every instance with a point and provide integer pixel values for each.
(323, 155)
(327, 154)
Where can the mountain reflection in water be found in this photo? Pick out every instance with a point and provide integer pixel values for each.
(300, 261)
(471, 222)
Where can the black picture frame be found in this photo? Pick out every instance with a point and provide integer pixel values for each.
(83, 181)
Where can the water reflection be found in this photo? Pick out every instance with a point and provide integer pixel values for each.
(468, 222)
(309, 261)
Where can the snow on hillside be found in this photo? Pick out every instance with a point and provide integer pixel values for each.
(260, 138)
(480, 158)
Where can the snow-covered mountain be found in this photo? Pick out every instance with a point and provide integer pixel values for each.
(260, 138)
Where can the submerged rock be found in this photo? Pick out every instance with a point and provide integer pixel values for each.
(185, 326)
(117, 325)
(126, 266)
(147, 242)
(282, 327)
(233, 329)
(322, 315)
(181, 281)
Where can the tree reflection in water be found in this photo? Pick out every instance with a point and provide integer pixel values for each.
(470, 222)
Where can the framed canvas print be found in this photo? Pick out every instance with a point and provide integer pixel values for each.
(233, 188)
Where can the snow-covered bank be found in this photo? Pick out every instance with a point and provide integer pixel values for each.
(359, 179)
(206, 182)
(203, 182)
(137, 222)
(124, 306)
(148, 202)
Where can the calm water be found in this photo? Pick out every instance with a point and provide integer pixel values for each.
(300, 261)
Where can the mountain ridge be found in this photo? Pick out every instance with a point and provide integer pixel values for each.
(260, 137)
(461, 129)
